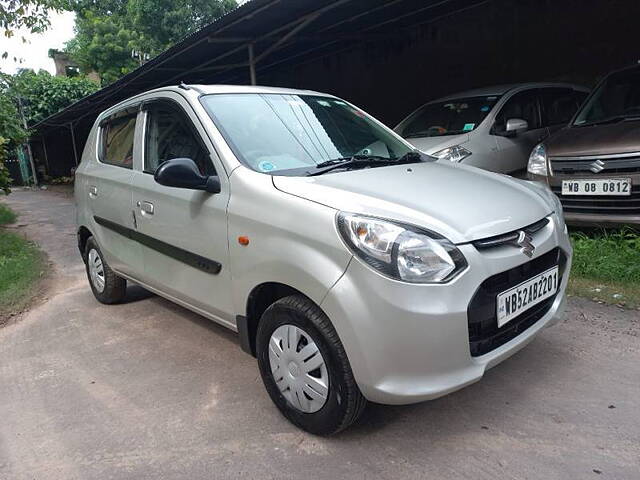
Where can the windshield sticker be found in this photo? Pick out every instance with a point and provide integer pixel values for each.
(484, 108)
(324, 103)
(265, 166)
(468, 126)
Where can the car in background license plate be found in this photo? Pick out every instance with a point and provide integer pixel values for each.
(600, 186)
(516, 300)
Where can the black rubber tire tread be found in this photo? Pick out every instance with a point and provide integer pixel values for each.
(115, 287)
(335, 415)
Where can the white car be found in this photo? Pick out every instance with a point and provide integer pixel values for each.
(353, 267)
(494, 128)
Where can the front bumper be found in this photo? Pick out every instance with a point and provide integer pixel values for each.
(408, 342)
(596, 211)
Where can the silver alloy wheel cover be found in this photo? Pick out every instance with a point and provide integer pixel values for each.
(96, 270)
(291, 368)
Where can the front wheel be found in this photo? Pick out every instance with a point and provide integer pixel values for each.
(305, 369)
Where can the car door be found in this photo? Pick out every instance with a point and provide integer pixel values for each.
(559, 105)
(108, 189)
(183, 232)
(514, 147)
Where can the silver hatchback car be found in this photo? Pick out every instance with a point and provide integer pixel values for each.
(494, 128)
(352, 266)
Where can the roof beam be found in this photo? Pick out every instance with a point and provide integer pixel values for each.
(304, 21)
(319, 11)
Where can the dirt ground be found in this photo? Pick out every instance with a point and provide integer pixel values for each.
(148, 390)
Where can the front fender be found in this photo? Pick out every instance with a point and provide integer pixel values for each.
(291, 240)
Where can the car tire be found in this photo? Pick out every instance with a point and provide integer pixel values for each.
(289, 383)
(106, 286)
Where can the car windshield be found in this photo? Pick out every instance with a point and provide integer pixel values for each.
(450, 117)
(617, 98)
(291, 134)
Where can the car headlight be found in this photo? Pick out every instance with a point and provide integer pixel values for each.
(558, 209)
(453, 154)
(538, 161)
(399, 251)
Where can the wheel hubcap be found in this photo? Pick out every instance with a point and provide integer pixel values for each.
(96, 270)
(298, 368)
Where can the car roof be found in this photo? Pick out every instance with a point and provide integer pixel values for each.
(502, 89)
(212, 89)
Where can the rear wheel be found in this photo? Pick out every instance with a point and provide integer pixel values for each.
(305, 369)
(106, 286)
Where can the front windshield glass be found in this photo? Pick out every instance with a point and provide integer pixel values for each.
(617, 98)
(290, 134)
(450, 117)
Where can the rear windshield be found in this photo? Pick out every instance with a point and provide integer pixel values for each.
(450, 117)
(617, 98)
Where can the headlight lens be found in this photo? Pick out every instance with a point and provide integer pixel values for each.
(538, 161)
(453, 154)
(400, 251)
(558, 209)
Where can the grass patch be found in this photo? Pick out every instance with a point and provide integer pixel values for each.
(6, 215)
(20, 267)
(606, 266)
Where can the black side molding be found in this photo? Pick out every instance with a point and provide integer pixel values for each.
(192, 259)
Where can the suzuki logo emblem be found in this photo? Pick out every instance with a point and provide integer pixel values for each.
(524, 242)
(597, 166)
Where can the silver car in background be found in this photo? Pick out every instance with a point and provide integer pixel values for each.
(494, 128)
(352, 266)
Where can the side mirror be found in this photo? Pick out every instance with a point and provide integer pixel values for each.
(184, 173)
(515, 126)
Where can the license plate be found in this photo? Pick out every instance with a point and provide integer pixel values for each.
(600, 186)
(516, 300)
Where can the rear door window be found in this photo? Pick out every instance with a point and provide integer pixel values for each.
(116, 146)
(560, 104)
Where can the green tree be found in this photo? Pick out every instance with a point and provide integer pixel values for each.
(5, 179)
(39, 95)
(43, 94)
(103, 43)
(31, 14)
(168, 21)
(107, 33)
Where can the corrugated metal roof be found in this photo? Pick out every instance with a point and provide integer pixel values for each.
(282, 33)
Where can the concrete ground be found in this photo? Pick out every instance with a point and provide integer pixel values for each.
(149, 390)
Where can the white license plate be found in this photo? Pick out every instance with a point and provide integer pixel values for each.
(516, 300)
(600, 186)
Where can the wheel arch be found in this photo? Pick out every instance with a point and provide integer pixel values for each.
(83, 235)
(260, 298)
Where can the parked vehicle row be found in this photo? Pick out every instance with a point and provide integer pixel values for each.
(593, 164)
(587, 150)
(352, 266)
(493, 128)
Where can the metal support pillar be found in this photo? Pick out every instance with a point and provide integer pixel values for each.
(252, 64)
(73, 140)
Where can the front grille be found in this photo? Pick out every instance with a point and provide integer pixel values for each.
(623, 163)
(616, 205)
(510, 238)
(484, 334)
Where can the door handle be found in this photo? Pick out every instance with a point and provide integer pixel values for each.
(146, 208)
(93, 191)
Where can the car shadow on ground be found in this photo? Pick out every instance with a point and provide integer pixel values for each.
(502, 392)
(136, 293)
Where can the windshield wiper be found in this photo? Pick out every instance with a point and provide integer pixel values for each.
(361, 161)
